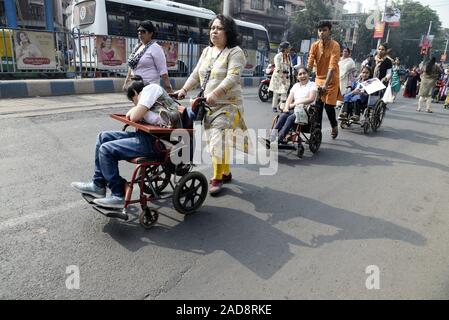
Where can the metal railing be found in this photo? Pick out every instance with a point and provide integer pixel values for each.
(76, 55)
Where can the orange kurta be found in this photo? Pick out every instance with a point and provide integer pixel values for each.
(324, 56)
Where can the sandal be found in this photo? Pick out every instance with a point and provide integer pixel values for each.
(334, 133)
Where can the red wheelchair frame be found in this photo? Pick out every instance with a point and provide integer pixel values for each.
(189, 192)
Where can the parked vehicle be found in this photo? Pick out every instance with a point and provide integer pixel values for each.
(264, 94)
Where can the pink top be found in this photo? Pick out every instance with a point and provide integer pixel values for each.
(152, 64)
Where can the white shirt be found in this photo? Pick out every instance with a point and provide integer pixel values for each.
(148, 98)
(302, 91)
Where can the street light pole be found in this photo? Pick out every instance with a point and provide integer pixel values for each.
(227, 7)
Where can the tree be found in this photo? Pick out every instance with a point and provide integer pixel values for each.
(302, 24)
(415, 19)
(365, 41)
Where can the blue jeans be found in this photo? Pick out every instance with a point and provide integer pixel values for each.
(113, 146)
(285, 121)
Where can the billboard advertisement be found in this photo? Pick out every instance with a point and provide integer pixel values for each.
(171, 53)
(111, 52)
(34, 50)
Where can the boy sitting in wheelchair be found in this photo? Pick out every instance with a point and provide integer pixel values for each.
(302, 93)
(152, 105)
(356, 99)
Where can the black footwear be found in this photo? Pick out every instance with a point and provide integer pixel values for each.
(227, 177)
(264, 141)
(343, 116)
(334, 133)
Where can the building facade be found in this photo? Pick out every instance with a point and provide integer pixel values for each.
(31, 14)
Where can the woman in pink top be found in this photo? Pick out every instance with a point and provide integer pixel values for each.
(148, 59)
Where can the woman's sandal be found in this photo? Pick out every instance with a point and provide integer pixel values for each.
(334, 133)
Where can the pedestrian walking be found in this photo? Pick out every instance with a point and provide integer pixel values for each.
(347, 70)
(429, 78)
(395, 78)
(147, 60)
(280, 80)
(411, 84)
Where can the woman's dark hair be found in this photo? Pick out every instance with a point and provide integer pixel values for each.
(369, 71)
(346, 48)
(430, 64)
(136, 86)
(230, 28)
(19, 41)
(147, 25)
(324, 24)
(385, 45)
(103, 43)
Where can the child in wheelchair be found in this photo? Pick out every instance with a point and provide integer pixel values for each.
(356, 99)
(304, 92)
(154, 106)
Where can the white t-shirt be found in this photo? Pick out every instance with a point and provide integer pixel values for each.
(302, 91)
(148, 98)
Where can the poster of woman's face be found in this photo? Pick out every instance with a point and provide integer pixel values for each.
(34, 50)
(171, 53)
(111, 52)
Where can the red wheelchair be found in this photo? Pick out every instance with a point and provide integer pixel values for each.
(154, 175)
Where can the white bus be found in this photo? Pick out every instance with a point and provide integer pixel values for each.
(182, 30)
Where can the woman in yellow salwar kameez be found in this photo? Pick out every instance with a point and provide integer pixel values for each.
(224, 60)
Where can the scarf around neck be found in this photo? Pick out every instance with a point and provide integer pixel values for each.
(134, 58)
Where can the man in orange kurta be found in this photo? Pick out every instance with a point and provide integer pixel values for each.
(324, 56)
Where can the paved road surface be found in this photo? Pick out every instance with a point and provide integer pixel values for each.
(308, 232)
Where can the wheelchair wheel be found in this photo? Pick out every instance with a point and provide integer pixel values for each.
(365, 127)
(315, 140)
(264, 94)
(157, 176)
(378, 114)
(148, 217)
(190, 193)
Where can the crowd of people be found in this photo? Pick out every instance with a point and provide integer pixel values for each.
(218, 73)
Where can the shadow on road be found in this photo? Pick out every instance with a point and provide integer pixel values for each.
(257, 243)
(332, 154)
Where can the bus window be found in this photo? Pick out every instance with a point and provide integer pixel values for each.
(204, 36)
(183, 33)
(166, 31)
(84, 13)
(133, 24)
(194, 33)
(116, 25)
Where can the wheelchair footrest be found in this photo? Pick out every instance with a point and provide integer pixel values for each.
(90, 199)
(111, 213)
(286, 147)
